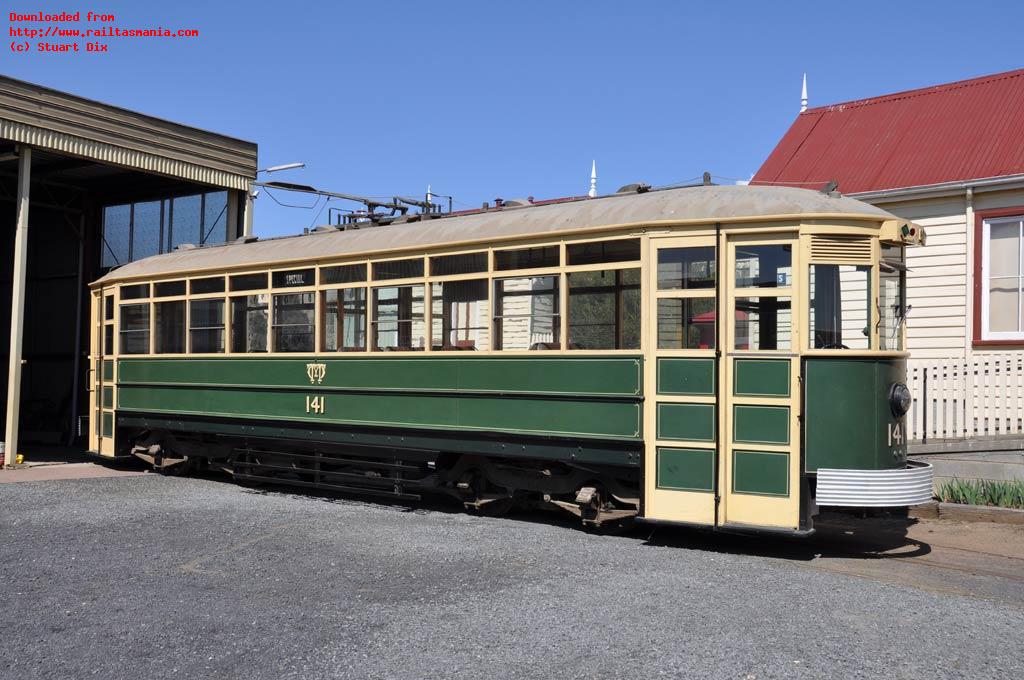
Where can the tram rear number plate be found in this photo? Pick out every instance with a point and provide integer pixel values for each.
(316, 404)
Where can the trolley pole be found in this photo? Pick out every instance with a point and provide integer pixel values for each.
(17, 306)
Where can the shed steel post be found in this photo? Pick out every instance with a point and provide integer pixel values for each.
(17, 305)
(247, 214)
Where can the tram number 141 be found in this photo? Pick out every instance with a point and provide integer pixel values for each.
(895, 434)
(316, 404)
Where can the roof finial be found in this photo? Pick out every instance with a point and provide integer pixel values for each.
(593, 180)
(803, 95)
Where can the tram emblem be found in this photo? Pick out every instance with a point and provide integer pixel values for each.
(316, 373)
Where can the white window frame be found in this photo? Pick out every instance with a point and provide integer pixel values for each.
(986, 230)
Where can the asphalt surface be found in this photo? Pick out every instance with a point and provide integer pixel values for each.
(158, 577)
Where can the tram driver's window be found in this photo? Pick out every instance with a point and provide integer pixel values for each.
(460, 315)
(249, 323)
(765, 266)
(840, 307)
(398, 324)
(604, 309)
(170, 327)
(763, 323)
(293, 322)
(526, 313)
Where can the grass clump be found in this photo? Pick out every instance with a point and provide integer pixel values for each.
(1008, 494)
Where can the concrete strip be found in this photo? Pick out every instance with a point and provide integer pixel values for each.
(968, 513)
(46, 473)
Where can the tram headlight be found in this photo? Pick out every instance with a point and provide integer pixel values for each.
(899, 399)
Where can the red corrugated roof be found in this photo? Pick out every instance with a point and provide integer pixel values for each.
(965, 130)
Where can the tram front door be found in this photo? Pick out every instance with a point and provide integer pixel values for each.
(723, 398)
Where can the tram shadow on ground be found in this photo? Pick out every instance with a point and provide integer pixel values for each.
(836, 534)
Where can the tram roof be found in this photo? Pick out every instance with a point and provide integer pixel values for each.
(657, 208)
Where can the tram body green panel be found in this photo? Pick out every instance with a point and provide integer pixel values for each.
(591, 376)
(847, 417)
(552, 398)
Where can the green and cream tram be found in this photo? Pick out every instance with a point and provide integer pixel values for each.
(730, 357)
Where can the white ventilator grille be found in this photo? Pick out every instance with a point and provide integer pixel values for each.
(911, 485)
(841, 249)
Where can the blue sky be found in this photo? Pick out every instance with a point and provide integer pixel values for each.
(486, 99)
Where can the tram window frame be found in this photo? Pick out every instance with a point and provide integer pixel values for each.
(396, 270)
(534, 257)
(783, 302)
(337, 275)
(555, 317)
(410, 320)
(343, 315)
(162, 289)
(456, 264)
(215, 331)
(169, 325)
(241, 326)
(207, 285)
(282, 337)
(137, 291)
(626, 298)
(828, 302)
(141, 334)
(605, 251)
(892, 296)
(445, 324)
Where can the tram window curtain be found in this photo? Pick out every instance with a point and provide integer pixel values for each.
(293, 323)
(249, 323)
(344, 327)
(527, 313)
(398, 318)
(604, 309)
(460, 315)
(206, 326)
(135, 329)
(170, 327)
(839, 311)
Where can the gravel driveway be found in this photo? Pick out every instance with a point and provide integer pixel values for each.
(159, 577)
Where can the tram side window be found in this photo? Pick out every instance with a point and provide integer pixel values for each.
(344, 320)
(249, 323)
(764, 266)
(293, 324)
(206, 326)
(135, 329)
(763, 323)
(398, 323)
(460, 315)
(687, 268)
(526, 313)
(170, 327)
(604, 309)
(840, 307)
(686, 323)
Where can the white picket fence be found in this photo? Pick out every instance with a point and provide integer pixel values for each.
(966, 398)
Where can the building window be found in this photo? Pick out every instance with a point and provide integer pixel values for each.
(460, 315)
(249, 323)
(526, 313)
(398, 323)
(136, 230)
(1002, 279)
(604, 309)
(345, 320)
(206, 326)
(294, 322)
